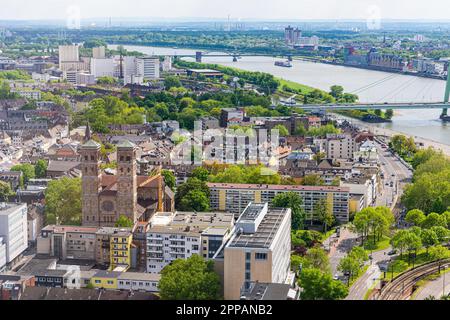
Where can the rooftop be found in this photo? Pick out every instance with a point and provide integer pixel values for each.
(91, 144)
(6, 208)
(265, 233)
(277, 187)
(140, 276)
(62, 229)
(267, 291)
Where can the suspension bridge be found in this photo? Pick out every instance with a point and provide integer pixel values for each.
(381, 105)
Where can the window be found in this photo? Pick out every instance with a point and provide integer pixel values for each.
(260, 256)
(97, 281)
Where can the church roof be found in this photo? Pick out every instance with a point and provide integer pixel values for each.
(126, 144)
(91, 144)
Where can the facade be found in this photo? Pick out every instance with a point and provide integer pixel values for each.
(228, 114)
(235, 197)
(120, 248)
(138, 281)
(13, 229)
(148, 67)
(107, 197)
(2, 254)
(179, 235)
(340, 146)
(68, 53)
(102, 67)
(98, 53)
(259, 250)
(67, 242)
(105, 280)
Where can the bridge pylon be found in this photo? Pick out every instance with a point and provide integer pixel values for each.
(447, 94)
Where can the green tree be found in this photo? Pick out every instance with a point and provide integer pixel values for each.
(318, 258)
(200, 173)
(172, 82)
(350, 265)
(282, 130)
(169, 179)
(313, 180)
(359, 254)
(433, 220)
(389, 114)
(415, 217)
(318, 285)
(441, 232)
(294, 201)
(189, 279)
(399, 241)
(324, 213)
(439, 253)
(429, 238)
(40, 168)
(63, 201)
(5, 191)
(124, 222)
(194, 200)
(27, 170)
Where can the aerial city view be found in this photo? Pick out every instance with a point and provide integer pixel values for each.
(224, 150)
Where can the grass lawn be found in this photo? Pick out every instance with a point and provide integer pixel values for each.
(295, 85)
(400, 265)
(383, 244)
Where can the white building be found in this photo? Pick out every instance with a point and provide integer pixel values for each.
(29, 94)
(98, 53)
(84, 78)
(68, 53)
(179, 235)
(167, 63)
(341, 146)
(138, 281)
(102, 67)
(13, 229)
(2, 254)
(148, 67)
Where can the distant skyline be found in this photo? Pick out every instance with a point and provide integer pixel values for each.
(219, 9)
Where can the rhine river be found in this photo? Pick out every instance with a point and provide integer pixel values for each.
(370, 86)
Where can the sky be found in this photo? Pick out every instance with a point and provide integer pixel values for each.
(237, 9)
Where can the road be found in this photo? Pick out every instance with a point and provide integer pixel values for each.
(434, 288)
(339, 247)
(368, 280)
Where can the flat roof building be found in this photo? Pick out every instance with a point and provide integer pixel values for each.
(259, 249)
(13, 229)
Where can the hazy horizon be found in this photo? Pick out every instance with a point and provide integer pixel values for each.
(256, 10)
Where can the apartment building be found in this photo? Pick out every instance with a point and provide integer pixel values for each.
(148, 67)
(259, 249)
(179, 235)
(120, 248)
(234, 198)
(67, 242)
(13, 230)
(138, 281)
(340, 146)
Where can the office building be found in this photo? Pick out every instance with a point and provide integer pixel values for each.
(69, 53)
(99, 52)
(102, 67)
(179, 235)
(13, 229)
(148, 67)
(235, 197)
(259, 250)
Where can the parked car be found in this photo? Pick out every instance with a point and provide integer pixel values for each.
(392, 252)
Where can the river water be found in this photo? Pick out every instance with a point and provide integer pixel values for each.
(370, 86)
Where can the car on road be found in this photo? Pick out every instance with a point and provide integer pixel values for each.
(392, 252)
(336, 277)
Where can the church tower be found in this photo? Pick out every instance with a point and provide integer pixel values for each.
(127, 180)
(91, 182)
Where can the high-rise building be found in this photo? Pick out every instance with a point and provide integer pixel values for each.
(259, 250)
(102, 67)
(148, 67)
(69, 53)
(291, 35)
(98, 53)
(13, 229)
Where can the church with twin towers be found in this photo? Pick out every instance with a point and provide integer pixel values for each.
(106, 197)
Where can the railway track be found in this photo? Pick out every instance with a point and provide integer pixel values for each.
(400, 288)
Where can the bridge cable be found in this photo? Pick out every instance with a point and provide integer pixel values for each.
(373, 84)
(399, 89)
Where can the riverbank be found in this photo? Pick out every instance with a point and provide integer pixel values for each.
(390, 133)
